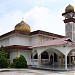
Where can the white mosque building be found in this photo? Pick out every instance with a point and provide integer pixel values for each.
(41, 48)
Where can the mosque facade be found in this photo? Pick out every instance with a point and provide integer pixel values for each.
(41, 48)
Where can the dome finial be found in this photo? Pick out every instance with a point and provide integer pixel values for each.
(69, 8)
(22, 18)
(22, 26)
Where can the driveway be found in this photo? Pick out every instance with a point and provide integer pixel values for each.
(34, 72)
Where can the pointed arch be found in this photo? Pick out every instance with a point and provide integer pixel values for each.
(44, 55)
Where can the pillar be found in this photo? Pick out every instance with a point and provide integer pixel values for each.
(73, 60)
(58, 60)
(49, 58)
(61, 59)
(53, 60)
(33, 58)
(65, 62)
(69, 59)
(39, 60)
(17, 53)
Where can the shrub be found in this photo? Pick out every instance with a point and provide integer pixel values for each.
(20, 62)
(11, 65)
(3, 62)
(3, 53)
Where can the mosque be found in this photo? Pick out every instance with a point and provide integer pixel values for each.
(41, 48)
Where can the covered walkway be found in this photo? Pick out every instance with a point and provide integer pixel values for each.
(57, 54)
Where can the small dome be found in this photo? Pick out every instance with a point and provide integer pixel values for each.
(69, 8)
(22, 26)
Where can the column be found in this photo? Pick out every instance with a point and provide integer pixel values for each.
(61, 59)
(49, 58)
(69, 59)
(53, 60)
(72, 60)
(39, 60)
(17, 53)
(33, 57)
(58, 61)
(65, 62)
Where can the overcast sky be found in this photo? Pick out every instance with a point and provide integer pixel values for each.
(39, 14)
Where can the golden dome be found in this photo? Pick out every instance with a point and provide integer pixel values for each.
(22, 26)
(69, 8)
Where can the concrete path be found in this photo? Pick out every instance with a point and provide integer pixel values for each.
(33, 72)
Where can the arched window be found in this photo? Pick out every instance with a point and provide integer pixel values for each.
(44, 55)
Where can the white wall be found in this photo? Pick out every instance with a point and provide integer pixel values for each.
(44, 38)
(4, 42)
(34, 40)
(25, 53)
(13, 55)
(19, 40)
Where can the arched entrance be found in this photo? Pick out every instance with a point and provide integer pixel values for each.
(52, 58)
(45, 58)
(71, 58)
(34, 58)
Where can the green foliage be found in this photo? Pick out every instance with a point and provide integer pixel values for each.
(2, 52)
(3, 58)
(20, 62)
(3, 62)
(12, 65)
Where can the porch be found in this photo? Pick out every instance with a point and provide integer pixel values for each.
(54, 58)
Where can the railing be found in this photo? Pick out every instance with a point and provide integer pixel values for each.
(35, 61)
(45, 61)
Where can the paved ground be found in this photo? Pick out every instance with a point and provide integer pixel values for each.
(35, 72)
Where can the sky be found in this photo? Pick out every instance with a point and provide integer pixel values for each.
(43, 15)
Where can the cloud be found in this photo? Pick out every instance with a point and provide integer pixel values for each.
(41, 18)
(9, 20)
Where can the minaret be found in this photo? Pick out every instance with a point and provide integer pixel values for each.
(69, 22)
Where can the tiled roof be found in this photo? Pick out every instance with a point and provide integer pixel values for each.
(14, 32)
(60, 41)
(31, 33)
(46, 33)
